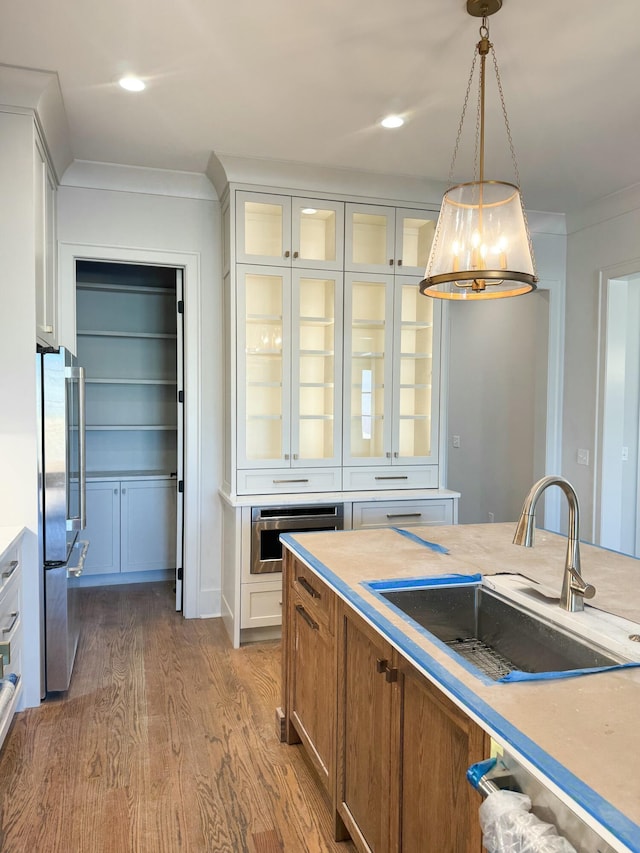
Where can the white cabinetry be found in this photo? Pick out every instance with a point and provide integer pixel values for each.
(392, 371)
(130, 525)
(404, 513)
(10, 625)
(289, 231)
(382, 239)
(289, 369)
(45, 248)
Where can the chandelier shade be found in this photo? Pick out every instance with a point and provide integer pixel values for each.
(482, 246)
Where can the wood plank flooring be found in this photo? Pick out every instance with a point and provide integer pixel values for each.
(165, 742)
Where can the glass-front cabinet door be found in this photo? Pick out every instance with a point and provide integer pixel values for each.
(263, 229)
(285, 231)
(414, 236)
(368, 369)
(369, 238)
(264, 367)
(317, 234)
(316, 387)
(416, 375)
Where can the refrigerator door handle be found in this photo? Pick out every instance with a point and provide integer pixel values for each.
(82, 447)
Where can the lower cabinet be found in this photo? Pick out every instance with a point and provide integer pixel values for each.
(309, 680)
(131, 526)
(10, 631)
(390, 748)
(403, 751)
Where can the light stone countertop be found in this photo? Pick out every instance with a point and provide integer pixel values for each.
(304, 498)
(581, 736)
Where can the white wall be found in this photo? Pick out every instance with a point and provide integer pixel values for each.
(499, 372)
(146, 222)
(601, 237)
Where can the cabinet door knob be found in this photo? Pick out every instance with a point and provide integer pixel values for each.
(287, 254)
(296, 254)
(395, 454)
(388, 454)
(124, 491)
(115, 491)
(400, 262)
(390, 262)
(381, 664)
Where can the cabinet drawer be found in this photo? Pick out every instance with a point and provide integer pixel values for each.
(10, 627)
(402, 513)
(391, 477)
(312, 594)
(9, 567)
(261, 604)
(274, 481)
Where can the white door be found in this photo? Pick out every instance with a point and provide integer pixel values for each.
(180, 436)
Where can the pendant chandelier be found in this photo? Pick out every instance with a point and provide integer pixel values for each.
(482, 246)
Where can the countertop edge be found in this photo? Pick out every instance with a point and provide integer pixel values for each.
(234, 500)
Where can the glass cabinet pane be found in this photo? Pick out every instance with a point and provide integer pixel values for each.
(263, 229)
(415, 363)
(317, 234)
(416, 236)
(368, 354)
(370, 238)
(264, 366)
(316, 368)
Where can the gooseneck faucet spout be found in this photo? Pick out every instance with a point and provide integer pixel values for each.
(574, 588)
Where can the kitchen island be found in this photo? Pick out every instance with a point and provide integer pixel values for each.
(578, 736)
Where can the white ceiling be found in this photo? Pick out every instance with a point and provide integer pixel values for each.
(307, 82)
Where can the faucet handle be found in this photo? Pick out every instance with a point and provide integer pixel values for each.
(579, 586)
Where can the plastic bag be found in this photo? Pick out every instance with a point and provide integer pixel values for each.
(508, 826)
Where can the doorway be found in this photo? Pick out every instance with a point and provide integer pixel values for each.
(618, 472)
(130, 340)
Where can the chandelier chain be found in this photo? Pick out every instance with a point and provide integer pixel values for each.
(462, 117)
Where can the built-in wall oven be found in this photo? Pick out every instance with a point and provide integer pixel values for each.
(268, 522)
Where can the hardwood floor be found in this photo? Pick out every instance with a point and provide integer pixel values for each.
(165, 742)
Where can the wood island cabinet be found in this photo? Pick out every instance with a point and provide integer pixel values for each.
(390, 748)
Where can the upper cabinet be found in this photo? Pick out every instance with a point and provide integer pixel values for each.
(381, 239)
(334, 375)
(45, 249)
(289, 231)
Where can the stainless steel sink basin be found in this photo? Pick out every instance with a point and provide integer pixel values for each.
(494, 634)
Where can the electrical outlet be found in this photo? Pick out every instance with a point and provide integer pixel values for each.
(491, 517)
(582, 456)
(456, 440)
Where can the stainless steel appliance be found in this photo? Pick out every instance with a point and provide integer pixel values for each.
(268, 522)
(62, 461)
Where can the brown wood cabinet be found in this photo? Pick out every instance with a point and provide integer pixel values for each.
(403, 751)
(309, 674)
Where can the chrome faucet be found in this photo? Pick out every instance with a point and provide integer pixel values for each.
(574, 588)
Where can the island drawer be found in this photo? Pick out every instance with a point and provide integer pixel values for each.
(312, 594)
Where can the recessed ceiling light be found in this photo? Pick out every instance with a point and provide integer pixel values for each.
(132, 84)
(309, 210)
(392, 121)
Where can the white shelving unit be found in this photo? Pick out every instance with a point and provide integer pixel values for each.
(127, 343)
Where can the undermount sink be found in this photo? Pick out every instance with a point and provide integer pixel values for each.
(497, 635)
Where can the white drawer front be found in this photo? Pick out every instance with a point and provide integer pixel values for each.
(10, 628)
(9, 567)
(261, 604)
(402, 513)
(274, 481)
(391, 477)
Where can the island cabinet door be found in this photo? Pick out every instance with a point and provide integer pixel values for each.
(312, 686)
(365, 790)
(438, 808)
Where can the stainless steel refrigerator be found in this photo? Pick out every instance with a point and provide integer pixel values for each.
(62, 462)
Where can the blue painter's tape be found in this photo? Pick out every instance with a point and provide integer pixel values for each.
(618, 824)
(440, 549)
(422, 583)
(480, 769)
(516, 675)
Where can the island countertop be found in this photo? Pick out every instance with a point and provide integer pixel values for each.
(580, 736)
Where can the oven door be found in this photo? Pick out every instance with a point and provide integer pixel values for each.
(266, 548)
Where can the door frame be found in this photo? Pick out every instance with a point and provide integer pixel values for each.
(189, 263)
